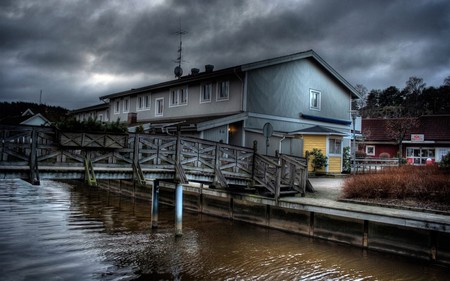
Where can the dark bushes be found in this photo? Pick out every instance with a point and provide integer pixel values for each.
(427, 183)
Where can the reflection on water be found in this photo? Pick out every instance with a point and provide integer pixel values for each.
(58, 232)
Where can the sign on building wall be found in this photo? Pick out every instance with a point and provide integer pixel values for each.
(417, 137)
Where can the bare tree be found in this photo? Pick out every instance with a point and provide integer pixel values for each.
(360, 103)
(414, 86)
(447, 81)
(398, 129)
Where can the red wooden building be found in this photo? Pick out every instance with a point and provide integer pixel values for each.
(427, 139)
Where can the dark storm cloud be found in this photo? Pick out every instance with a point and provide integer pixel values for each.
(76, 51)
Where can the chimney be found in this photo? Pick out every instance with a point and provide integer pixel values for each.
(194, 71)
(209, 68)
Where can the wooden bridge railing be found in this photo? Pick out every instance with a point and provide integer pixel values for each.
(46, 148)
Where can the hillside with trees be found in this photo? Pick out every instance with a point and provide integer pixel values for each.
(414, 100)
(52, 113)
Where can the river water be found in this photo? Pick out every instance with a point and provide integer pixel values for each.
(60, 232)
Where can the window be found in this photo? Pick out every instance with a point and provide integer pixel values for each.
(178, 97)
(159, 107)
(419, 155)
(117, 107)
(223, 91)
(100, 117)
(335, 146)
(143, 102)
(147, 102)
(314, 100)
(370, 150)
(441, 153)
(126, 105)
(206, 91)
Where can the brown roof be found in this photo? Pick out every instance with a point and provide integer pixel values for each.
(433, 127)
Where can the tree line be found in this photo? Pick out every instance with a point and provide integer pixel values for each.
(414, 100)
(52, 113)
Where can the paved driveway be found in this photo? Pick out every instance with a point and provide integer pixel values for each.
(326, 188)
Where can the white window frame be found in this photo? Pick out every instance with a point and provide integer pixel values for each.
(315, 105)
(143, 102)
(147, 102)
(157, 107)
(373, 150)
(117, 107)
(219, 90)
(126, 105)
(100, 117)
(330, 146)
(202, 92)
(139, 103)
(176, 97)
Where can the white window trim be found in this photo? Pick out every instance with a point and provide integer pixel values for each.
(139, 103)
(149, 98)
(143, 107)
(218, 89)
(367, 150)
(178, 97)
(100, 117)
(156, 107)
(117, 110)
(319, 100)
(202, 92)
(329, 148)
(126, 110)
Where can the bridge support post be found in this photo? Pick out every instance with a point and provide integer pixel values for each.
(179, 210)
(155, 200)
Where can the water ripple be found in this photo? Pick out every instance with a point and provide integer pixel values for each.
(62, 232)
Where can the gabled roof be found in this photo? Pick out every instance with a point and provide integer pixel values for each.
(239, 69)
(433, 127)
(318, 130)
(303, 55)
(28, 112)
(36, 120)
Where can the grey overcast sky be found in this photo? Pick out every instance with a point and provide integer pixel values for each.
(77, 50)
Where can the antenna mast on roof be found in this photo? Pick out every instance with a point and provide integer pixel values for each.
(178, 71)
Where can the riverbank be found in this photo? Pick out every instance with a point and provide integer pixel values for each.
(57, 231)
(329, 188)
(417, 234)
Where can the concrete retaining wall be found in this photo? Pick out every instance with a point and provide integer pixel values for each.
(354, 228)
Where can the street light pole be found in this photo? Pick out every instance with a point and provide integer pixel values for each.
(354, 115)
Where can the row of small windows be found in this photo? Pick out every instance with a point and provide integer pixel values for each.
(178, 97)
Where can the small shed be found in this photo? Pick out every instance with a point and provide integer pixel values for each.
(329, 141)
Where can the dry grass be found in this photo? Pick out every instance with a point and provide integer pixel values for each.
(430, 184)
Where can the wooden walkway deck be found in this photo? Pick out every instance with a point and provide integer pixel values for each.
(36, 153)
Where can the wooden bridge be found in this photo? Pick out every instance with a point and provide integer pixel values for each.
(36, 153)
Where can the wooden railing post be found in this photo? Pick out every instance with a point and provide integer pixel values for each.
(255, 149)
(155, 203)
(34, 172)
(277, 183)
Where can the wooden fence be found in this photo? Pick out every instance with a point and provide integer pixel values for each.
(374, 165)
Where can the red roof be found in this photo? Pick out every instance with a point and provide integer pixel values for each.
(433, 127)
